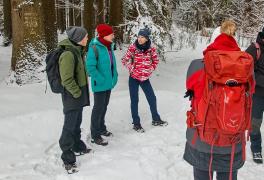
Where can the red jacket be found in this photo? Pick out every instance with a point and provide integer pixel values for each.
(140, 64)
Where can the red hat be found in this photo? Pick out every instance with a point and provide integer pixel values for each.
(104, 30)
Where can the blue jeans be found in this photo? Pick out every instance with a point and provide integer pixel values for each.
(151, 98)
(257, 116)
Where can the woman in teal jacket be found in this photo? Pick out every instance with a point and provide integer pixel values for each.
(101, 66)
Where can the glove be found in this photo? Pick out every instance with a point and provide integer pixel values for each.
(189, 93)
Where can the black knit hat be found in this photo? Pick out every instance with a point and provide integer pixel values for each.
(76, 33)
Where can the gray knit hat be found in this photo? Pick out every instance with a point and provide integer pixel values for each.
(76, 33)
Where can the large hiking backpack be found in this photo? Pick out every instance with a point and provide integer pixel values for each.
(52, 68)
(223, 114)
(259, 66)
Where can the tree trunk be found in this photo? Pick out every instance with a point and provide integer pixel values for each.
(7, 22)
(61, 16)
(77, 13)
(116, 18)
(89, 18)
(28, 43)
(100, 12)
(50, 27)
(1, 17)
(71, 9)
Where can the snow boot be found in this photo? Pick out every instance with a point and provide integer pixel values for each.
(107, 133)
(257, 157)
(99, 141)
(71, 168)
(159, 123)
(138, 128)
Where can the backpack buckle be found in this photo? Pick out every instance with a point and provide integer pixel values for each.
(231, 82)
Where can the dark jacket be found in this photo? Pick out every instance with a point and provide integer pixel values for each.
(73, 79)
(259, 90)
(198, 153)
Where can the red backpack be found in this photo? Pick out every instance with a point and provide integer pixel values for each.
(223, 114)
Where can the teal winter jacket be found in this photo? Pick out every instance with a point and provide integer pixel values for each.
(103, 78)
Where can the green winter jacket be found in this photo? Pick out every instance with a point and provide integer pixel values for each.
(103, 78)
(73, 79)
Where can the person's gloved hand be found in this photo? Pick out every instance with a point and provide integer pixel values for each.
(189, 93)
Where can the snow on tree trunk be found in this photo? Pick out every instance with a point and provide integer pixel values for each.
(29, 45)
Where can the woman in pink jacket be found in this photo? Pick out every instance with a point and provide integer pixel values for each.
(141, 60)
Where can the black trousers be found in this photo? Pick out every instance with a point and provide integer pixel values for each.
(257, 118)
(101, 101)
(70, 139)
(204, 175)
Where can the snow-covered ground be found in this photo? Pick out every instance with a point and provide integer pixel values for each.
(31, 123)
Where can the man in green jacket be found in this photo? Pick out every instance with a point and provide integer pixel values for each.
(74, 97)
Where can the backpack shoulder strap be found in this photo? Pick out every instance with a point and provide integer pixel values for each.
(95, 52)
(258, 50)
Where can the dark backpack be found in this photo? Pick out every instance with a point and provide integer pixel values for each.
(52, 68)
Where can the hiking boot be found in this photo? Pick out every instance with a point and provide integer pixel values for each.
(257, 157)
(82, 152)
(71, 168)
(159, 123)
(106, 133)
(80, 148)
(100, 141)
(138, 128)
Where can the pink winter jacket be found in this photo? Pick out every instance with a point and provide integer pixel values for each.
(140, 64)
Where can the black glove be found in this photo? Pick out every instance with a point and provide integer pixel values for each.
(189, 93)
